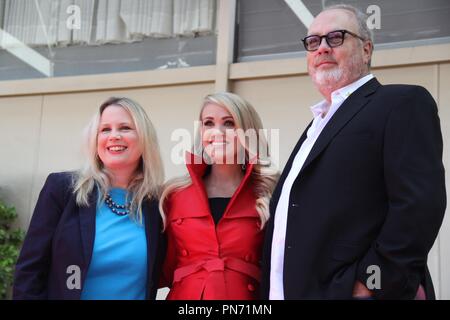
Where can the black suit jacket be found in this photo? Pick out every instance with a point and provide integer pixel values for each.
(371, 192)
(62, 234)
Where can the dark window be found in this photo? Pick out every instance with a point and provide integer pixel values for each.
(270, 27)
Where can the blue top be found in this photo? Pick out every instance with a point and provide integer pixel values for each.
(118, 268)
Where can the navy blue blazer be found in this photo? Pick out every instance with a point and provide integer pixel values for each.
(61, 234)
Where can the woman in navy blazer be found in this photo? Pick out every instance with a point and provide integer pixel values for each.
(96, 233)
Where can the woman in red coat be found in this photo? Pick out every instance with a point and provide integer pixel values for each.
(214, 216)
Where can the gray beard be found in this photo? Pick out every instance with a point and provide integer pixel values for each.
(328, 78)
(334, 78)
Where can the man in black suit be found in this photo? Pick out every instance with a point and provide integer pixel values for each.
(362, 196)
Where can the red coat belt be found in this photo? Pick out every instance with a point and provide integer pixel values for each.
(219, 264)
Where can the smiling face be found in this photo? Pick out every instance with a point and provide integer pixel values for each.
(218, 134)
(118, 144)
(334, 68)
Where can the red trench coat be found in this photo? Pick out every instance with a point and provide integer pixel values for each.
(205, 261)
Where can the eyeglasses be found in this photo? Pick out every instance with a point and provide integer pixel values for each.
(333, 38)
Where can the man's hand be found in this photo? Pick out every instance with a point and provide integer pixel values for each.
(361, 291)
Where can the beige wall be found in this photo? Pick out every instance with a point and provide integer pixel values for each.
(45, 133)
(20, 127)
(443, 90)
(41, 120)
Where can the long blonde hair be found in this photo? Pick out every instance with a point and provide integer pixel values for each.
(264, 174)
(147, 180)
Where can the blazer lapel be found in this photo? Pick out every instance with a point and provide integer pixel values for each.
(351, 106)
(152, 233)
(87, 226)
(277, 191)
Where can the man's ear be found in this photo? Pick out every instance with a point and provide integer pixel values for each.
(368, 49)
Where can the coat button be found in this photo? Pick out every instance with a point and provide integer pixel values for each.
(250, 287)
(258, 224)
(294, 205)
(248, 258)
(179, 221)
(184, 253)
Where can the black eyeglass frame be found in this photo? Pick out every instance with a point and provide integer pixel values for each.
(342, 31)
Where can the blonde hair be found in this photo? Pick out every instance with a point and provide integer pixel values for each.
(264, 174)
(148, 178)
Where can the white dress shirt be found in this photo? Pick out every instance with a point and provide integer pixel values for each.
(321, 118)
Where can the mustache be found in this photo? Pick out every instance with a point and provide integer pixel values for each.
(320, 60)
